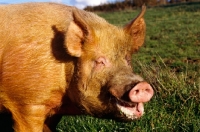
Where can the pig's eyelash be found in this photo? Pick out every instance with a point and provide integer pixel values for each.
(99, 63)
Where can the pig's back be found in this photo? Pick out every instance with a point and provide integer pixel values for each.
(31, 25)
(21, 22)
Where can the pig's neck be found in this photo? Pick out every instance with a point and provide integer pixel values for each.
(69, 72)
(68, 107)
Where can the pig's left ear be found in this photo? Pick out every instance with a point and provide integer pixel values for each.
(137, 29)
(78, 32)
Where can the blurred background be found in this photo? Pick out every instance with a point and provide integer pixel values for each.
(103, 4)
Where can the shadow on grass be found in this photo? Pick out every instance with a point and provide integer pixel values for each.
(6, 122)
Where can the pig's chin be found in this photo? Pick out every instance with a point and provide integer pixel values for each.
(130, 110)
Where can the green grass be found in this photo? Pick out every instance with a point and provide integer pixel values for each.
(170, 61)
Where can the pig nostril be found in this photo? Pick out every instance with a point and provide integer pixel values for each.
(148, 90)
(136, 92)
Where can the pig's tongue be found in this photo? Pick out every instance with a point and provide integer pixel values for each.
(132, 112)
(139, 109)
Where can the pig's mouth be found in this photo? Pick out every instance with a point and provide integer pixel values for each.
(130, 104)
(131, 110)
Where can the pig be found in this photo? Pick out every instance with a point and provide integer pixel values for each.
(59, 60)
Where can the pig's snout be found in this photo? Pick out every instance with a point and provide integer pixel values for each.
(142, 92)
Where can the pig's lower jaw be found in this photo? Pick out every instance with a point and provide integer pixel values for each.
(132, 113)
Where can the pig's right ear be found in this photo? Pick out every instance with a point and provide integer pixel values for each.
(78, 32)
(137, 30)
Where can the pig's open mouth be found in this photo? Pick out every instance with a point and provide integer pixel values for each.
(131, 110)
(130, 104)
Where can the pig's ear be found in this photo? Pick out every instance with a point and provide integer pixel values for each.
(137, 29)
(78, 32)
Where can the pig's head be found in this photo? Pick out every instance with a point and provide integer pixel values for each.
(103, 83)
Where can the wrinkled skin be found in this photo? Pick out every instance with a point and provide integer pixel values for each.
(57, 60)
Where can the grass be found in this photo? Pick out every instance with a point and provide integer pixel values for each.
(170, 61)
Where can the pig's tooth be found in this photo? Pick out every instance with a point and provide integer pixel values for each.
(128, 113)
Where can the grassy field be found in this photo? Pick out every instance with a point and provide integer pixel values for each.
(170, 61)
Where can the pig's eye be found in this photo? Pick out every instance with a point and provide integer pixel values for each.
(101, 62)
